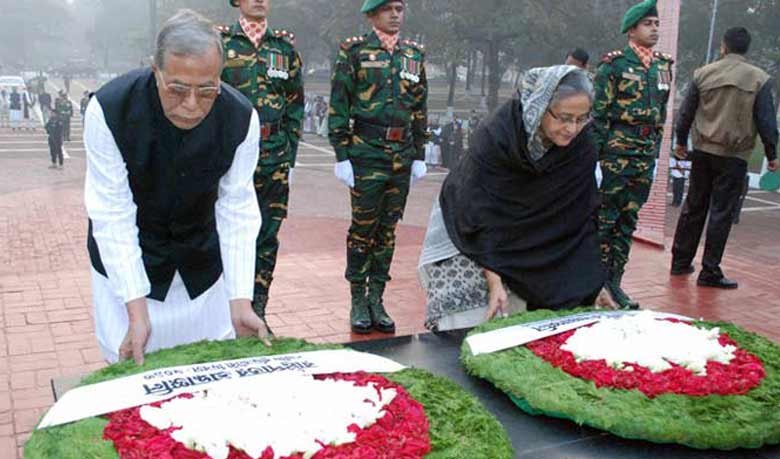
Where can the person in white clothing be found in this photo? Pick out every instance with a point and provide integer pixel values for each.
(172, 211)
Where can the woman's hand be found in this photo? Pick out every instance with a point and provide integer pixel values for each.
(604, 300)
(498, 300)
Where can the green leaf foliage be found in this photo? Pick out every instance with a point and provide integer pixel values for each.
(710, 422)
(460, 428)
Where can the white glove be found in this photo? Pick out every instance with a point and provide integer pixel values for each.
(344, 172)
(419, 170)
(289, 177)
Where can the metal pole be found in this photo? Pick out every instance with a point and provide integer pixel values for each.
(712, 29)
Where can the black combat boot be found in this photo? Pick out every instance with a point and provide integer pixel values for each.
(381, 320)
(616, 292)
(359, 316)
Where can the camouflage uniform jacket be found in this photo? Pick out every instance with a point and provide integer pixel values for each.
(63, 106)
(271, 77)
(629, 110)
(373, 87)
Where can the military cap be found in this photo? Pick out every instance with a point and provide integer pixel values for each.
(371, 5)
(638, 12)
(233, 3)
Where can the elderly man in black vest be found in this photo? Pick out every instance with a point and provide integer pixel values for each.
(172, 210)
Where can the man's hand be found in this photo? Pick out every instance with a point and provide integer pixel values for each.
(246, 322)
(773, 165)
(680, 152)
(138, 330)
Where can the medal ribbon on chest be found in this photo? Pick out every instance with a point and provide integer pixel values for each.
(664, 80)
(410, 69)
(278, 66)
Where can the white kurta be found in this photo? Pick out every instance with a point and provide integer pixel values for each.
(110, 206)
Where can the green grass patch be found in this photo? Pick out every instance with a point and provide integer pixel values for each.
(710, 422)
(460, 427)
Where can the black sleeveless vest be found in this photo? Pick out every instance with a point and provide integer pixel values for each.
(174, 176)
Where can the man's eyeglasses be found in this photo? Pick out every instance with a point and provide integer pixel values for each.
(564, 119)
(182, 91)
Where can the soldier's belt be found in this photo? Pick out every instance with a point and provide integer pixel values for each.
(375, 131)
(642, 130)
(269, 129)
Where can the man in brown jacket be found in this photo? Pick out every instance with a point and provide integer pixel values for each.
(728, 103)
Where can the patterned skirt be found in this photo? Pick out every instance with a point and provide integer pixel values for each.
(457, 295)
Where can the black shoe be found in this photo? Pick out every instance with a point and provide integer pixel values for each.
(678, 270)
(717, 282)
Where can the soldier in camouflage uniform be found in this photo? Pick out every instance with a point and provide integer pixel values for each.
(632, 87)
(64, 109)
(377, 123)
(263, 64)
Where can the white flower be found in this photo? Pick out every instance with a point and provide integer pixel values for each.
(288, 413)
(652, 343)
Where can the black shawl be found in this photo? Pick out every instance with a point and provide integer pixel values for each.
(531, 222)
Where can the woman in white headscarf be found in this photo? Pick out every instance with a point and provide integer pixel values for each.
(515, 227)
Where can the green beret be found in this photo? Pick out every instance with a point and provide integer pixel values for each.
(638, 12)
(371, 5)
(233, 3)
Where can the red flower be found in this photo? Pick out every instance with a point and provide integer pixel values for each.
(402, 433)
(743, 373)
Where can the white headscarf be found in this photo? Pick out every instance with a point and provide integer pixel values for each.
(539, 85)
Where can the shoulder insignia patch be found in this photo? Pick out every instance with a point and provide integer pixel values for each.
(611, 56)
(352, 41)
(413, 44)
(664, 56)
(286, 35)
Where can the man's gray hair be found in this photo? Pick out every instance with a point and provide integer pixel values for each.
(186, 33)
(574, 83)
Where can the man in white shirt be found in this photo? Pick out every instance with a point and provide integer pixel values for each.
(173, 214)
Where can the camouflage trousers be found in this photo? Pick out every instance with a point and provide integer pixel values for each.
(625, 187)
(273, 190)
(378, 202)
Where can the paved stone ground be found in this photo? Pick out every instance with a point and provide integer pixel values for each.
(46, 326)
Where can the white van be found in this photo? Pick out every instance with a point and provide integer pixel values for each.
(9, 81)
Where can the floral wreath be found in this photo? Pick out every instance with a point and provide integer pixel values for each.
(735, 406)
(432, 417)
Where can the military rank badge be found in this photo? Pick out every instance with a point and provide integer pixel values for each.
(278, 66)
(411, 69)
